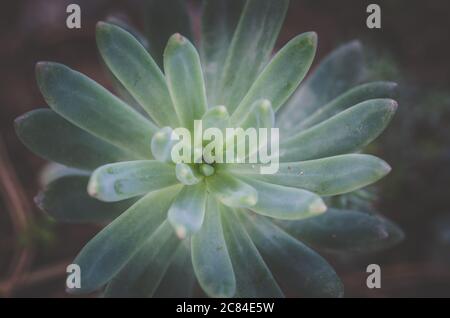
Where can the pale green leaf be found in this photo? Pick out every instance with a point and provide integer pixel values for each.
(250, 48)
(350, 98)
(180, 270)
(118, 181)
(52, 137)
(219, 20)
(66, 200)
(188, 210)
(185, 80)
(90, 106)
(231, 191)
(346, 132)
(141, 276)
(346, 231)
(261, 115)
(327, 176)
(286, 203)
(210, 256)
(299, 270)
(110, 250)
(187, 175)
(253, 277)
(281, 77)
(162, 144)
(339, 71)
(129, 61)
(216, 117)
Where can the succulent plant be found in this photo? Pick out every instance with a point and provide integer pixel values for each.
(236, 232)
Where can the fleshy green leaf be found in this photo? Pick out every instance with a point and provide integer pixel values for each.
(300, 271)
(250, 48)
(108, 252)
(348, 131)
(141, 276)
(187, 174)
(162, 144)
(121, 91)
(284, 202)
(282, 75)
(342, 69)
(346, 231)
(67, 200)
(216, 117)
(253, 278)
(261, 115)
(327, 176)
(118, 181)
(180, 270)
(232, 191)
(129, 61)
(188, 210)
(210, 256)
(219, 20)
(124, 24)
(162, 19)
(354, 96)
(52, 137)
(185, 80)
(91, 107)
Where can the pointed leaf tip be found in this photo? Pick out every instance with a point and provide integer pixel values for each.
(317, 207)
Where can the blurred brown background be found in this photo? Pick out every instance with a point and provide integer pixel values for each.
(412, 47)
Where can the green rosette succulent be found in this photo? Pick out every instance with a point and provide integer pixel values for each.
(229, 228)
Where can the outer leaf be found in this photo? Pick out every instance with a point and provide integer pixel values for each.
(285, 203)
(342, 69)
(348, 131)
(91, 107)
(282, 75)
(327, 176)
(108, 252)
(188, 210)
(129, 61)
(219, 20)
(143, 273)
(162, 19)
(124, 24)
(67, 200)
(118, 181)
(121, 91)
(231, 191)
(210, 256)
(54, 138)
(179, 271)
(299, 270)
(185, 80)
(354, 96)
(253, 278)
(250, 48)
(346, 231)
(53, 171)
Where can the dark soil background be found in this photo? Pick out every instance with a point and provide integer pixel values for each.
(412, 47)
